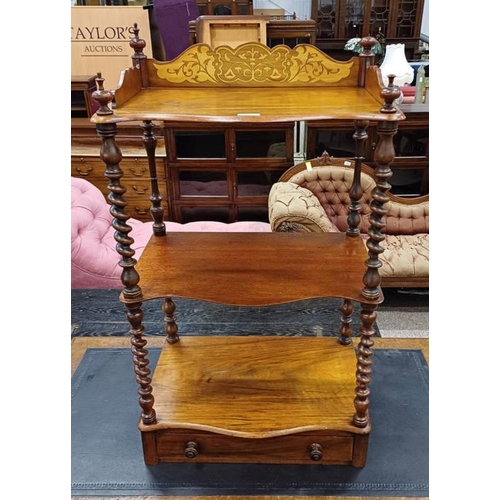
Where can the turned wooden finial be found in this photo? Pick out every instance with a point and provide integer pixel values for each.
(137, 44)
(103, 97)
(368, 42)
(390, 94)
(366, 58)
(139, 58)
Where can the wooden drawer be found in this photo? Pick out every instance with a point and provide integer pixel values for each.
(135, 179)
(176, 445)
(92, 168)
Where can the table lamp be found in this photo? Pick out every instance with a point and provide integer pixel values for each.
(395, 63)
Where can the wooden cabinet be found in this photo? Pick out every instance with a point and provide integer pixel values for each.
(411, 143)
(211, 172)
(288, 32)
(83, 133)
(230, 30)
(291, 32)
(224, 172)
(86, 163)
(339, 20)
(82, 104)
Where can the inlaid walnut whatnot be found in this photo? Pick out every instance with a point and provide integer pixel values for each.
(251, 398)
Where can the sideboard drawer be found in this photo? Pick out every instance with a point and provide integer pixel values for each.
(180, 445)
(92, 168)
(87, 167)
(138, 168)
(135, 179)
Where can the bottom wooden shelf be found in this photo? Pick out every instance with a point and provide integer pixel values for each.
(255, 399)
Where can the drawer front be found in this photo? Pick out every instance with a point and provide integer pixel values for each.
(135, 179)
(138, 168)
(88, 168)
(92, 168)
(178, 445)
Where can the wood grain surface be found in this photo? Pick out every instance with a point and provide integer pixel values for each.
(253, 268)
(80, 344)
(221, 384)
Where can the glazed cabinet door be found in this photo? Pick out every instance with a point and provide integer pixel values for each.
(224, 173)
(341, 19)
(406, 19)
(337, 21)
(325, 13)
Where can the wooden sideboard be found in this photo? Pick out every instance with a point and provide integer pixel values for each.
(251, 399)
(205, 171)
(227, 185)
(87, 164)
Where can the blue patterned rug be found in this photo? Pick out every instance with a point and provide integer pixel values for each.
(107, 453)
(98, 312)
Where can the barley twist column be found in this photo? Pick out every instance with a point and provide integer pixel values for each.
(368, 316)
(141, 362)
(132, 293)
(384, 156)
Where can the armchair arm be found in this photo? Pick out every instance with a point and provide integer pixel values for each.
(296, 209)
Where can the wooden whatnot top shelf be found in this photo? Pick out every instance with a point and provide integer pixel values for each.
(250, 83)
(262, 105)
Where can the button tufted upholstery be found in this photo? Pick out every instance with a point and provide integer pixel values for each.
(94, 259)
(316, 199)
(297, 207)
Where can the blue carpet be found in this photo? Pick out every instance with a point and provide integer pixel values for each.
(107, 453)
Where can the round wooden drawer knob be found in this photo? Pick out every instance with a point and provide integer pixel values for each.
(191, 450)
(315, 452)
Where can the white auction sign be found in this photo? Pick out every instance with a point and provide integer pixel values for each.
(100, 38)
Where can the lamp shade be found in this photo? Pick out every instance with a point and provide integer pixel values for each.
(395, 63)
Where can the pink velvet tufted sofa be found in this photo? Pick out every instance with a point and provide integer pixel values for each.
(94, 259)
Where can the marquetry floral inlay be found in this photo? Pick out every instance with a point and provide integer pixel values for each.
(253, 64)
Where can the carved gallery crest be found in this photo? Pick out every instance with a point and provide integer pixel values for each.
(253, 63)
